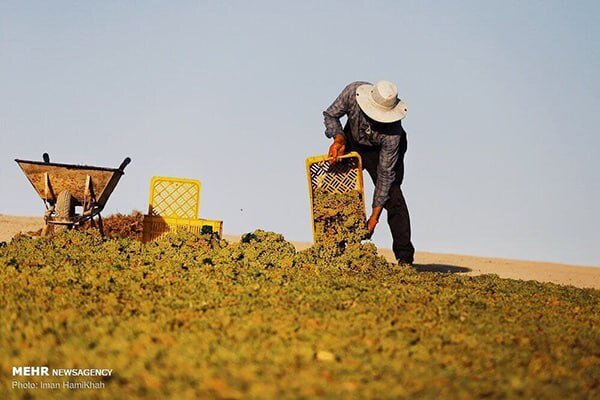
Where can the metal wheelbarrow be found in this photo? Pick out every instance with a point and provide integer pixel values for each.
(63, 187)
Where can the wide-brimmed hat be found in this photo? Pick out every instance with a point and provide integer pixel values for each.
(380, 102)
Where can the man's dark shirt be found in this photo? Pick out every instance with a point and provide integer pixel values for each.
(367, 132)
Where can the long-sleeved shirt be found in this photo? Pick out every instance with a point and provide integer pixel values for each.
(367, 132)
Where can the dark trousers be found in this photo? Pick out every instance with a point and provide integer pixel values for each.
(397, 211)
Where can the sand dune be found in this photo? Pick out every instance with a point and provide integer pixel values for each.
(584, 277)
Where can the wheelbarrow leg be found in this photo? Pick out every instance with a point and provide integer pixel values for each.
(47, 230)
(100, 225)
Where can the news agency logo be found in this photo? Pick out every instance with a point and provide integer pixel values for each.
(66, 383)
(45, 371)
(30, 371)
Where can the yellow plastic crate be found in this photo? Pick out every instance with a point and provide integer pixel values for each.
(341, 177)
(173, 204)
(156, 227)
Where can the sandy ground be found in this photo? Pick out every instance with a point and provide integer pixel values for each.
(584, 277)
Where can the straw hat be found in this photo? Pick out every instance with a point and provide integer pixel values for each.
(380, 101)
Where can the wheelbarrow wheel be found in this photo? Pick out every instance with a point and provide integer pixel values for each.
(64, 210)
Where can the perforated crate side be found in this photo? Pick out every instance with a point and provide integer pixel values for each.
(156, 227)
(174, 197)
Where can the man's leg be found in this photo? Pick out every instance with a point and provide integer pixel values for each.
(399, 222)
(397, 211)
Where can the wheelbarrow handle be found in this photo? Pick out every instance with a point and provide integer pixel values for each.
(125, 163)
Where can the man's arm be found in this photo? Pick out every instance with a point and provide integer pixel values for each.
(333, 126)
(334, 112)
(386, 175)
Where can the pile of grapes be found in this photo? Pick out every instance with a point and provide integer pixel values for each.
(196, 317)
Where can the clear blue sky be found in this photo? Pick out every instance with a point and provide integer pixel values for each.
(503, 121)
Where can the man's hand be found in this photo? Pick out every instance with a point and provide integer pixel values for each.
(337, 148)
(374, 220)
(371, 224)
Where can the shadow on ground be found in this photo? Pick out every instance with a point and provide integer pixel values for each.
(446, 269)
